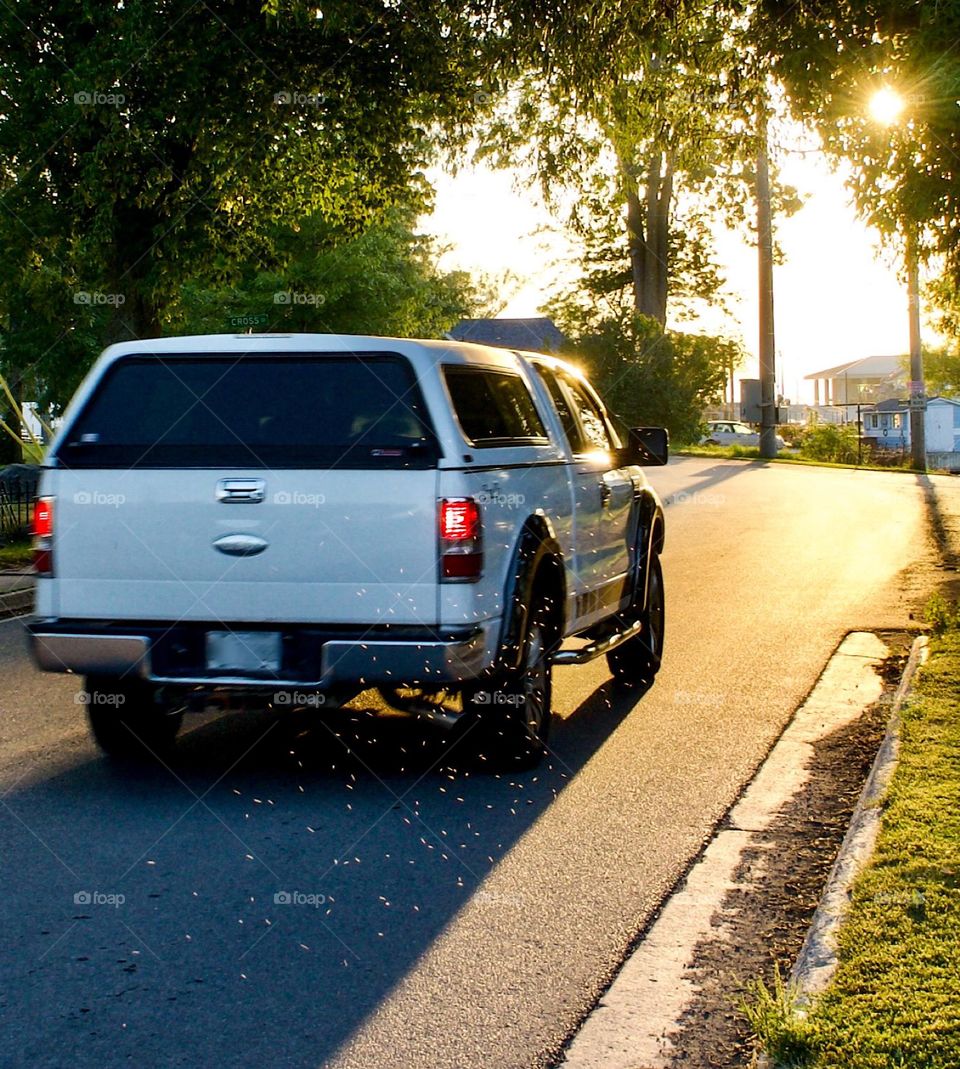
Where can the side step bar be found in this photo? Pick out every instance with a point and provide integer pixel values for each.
(598, 647)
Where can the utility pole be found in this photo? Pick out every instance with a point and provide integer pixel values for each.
(768, 379)
(918, 400)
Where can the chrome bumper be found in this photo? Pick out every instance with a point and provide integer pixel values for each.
(397, 661)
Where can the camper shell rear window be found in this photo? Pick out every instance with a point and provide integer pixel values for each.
(493, 407)
(345, 410)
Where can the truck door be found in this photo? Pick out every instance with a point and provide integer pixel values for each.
(604, 495)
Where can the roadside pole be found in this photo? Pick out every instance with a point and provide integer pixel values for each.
(768, 411)
(918, 401)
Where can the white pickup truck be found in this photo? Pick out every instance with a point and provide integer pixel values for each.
(297, 518)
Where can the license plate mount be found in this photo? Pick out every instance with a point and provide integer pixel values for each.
(243, 651)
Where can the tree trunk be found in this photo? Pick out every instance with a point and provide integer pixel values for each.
(661, 240)
(11, 449)
(648, 232)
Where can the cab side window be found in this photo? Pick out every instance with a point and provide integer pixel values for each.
(571, 428)
(594, 433)
(493, 407)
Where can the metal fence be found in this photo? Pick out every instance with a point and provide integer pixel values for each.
(18, 492)
(16, 509)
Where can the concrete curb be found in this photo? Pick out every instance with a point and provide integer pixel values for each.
(632, 1024)
(817, 961)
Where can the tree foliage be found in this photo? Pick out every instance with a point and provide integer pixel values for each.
(834, 56)
(647, 375)
(146, 146)
(329, 280)
(830, 442)
(646, 158)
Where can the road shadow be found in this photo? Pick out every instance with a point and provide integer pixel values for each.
(256, 900)
(712, 476)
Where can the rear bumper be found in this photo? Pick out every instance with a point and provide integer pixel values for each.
(318, 658)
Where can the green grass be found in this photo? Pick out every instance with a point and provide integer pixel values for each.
(16, 554)
(744, 452)
(895, 999)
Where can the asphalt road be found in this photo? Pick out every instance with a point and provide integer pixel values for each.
(438, 916)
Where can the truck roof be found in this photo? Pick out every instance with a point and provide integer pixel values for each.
(266, 344)
(202, 344)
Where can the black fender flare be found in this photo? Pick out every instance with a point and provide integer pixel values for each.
(536, 544)
(649, 541)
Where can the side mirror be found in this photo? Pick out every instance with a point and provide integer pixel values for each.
(648, 445)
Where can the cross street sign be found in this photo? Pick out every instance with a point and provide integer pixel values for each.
(249, 322)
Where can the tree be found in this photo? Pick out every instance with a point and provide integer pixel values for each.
(143, 146)
(833, 57)
(646, 374)
(646, 156)
(667, 117)
(381, 281)
(944, 294)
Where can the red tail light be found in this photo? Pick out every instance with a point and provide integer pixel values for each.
(43, 536)
(461, 546)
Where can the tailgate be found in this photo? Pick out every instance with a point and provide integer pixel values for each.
(331, 547)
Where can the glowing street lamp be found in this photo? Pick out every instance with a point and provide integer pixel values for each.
(886, 106)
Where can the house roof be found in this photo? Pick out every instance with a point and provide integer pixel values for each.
(536, 333)
(898, 404)
(868, 367)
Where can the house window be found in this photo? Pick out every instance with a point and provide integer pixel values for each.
(874, 421)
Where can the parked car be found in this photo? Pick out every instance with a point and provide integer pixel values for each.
(731, 432)
(293, 519)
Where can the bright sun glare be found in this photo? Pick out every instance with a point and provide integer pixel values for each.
(886, 105)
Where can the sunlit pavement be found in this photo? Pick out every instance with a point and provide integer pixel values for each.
(283, 897)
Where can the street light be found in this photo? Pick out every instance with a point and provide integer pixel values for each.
(886, 106)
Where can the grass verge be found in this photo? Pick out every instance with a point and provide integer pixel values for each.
(16, 555)
(895, 999)
(746, 452)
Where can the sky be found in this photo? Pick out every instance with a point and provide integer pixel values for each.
(837, 295)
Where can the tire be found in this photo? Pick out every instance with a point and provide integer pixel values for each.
(636, 662)
(509, 714)
(128, 720)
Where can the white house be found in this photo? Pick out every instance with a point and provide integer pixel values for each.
(872, 378)
(887, 425)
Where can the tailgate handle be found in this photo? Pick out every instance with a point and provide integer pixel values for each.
(241, 491)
